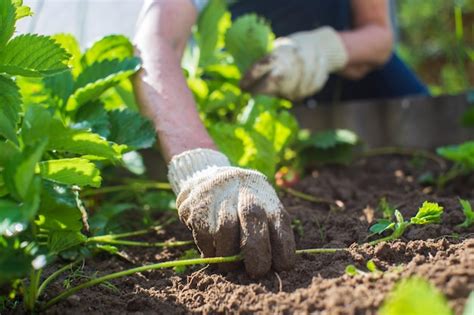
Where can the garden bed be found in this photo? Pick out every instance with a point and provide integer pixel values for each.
(442, 253)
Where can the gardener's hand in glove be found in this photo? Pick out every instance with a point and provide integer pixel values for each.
(231, 210)
(299, 65)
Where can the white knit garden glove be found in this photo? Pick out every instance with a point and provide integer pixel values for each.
(298, 66)
(231, 210)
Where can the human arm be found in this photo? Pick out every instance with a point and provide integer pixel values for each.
(229, 210)
(160, 86)
(301, 63)
(370, 43)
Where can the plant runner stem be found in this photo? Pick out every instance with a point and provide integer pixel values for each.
(169, 264)
(105, 240)
(55, 274)
(133, 233)
(131, 186)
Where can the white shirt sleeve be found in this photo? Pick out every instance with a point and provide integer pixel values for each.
(200, 4)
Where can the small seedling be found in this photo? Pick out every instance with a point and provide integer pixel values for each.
(352, 270)
(188, 254)
(415, 296)
(297, 227)
(468, 213)
(428, 213)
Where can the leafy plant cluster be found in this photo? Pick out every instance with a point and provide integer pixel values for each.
(253, 131)
(418, 296)
(438, 41)
(64, 116)
(428, 213)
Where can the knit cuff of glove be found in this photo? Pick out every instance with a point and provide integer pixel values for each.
(330, 43)
(185, 165)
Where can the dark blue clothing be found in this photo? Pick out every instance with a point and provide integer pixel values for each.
(394, 79)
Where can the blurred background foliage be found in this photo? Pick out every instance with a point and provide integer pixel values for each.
(436, 38)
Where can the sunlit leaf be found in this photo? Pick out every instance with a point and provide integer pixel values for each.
(75, 171)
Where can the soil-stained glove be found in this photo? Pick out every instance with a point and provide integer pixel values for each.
(298, 66)
(232, 210)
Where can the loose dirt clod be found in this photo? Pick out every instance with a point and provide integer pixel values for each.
(443, 254)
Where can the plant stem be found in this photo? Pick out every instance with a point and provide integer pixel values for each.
(106, 240)
(404, 151)
(383, 239)
(301, 195)
(162, 265)
(55, 274)
(169, 264)
(133, 233)
(319, 251)
(131, 186)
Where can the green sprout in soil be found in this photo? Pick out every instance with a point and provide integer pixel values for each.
(468, 213)
(428, 213)
(297, 227)
(415, 296)
(352, 270)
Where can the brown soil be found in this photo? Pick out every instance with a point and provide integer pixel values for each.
(443, 254)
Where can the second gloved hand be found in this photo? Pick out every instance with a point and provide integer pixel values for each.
(231, 210)
(298, 66)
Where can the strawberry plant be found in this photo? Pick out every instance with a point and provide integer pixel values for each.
(428, 213)
(64, 116)
(462, 156)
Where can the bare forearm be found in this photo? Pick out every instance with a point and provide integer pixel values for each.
(162, 91)
(369, 45)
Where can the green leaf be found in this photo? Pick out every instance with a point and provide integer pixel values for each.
(39, 124)
(207, 35)
(132, 129)
(381, 226)
(93, 116)
(331, 138)
(14, 217)
(248, 40)
(20, 170)
(469, 308)
(22, 11)
(60, 86)
(36, 124)
(415, 296)
(429, 212)
(245, 148)
(468, 213)
(7, 152)
(333, 146)
(462, 154)
(33, 56)
(7, 21)
(58, 208)
(99, 77)
(371, 266)
(351, 270)
(10, 107)
(75, 171)
(276, 128)
(81, 142)
(109, 47)
(59, 241)
(188, 254)
(15, 261)
(69, 43)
